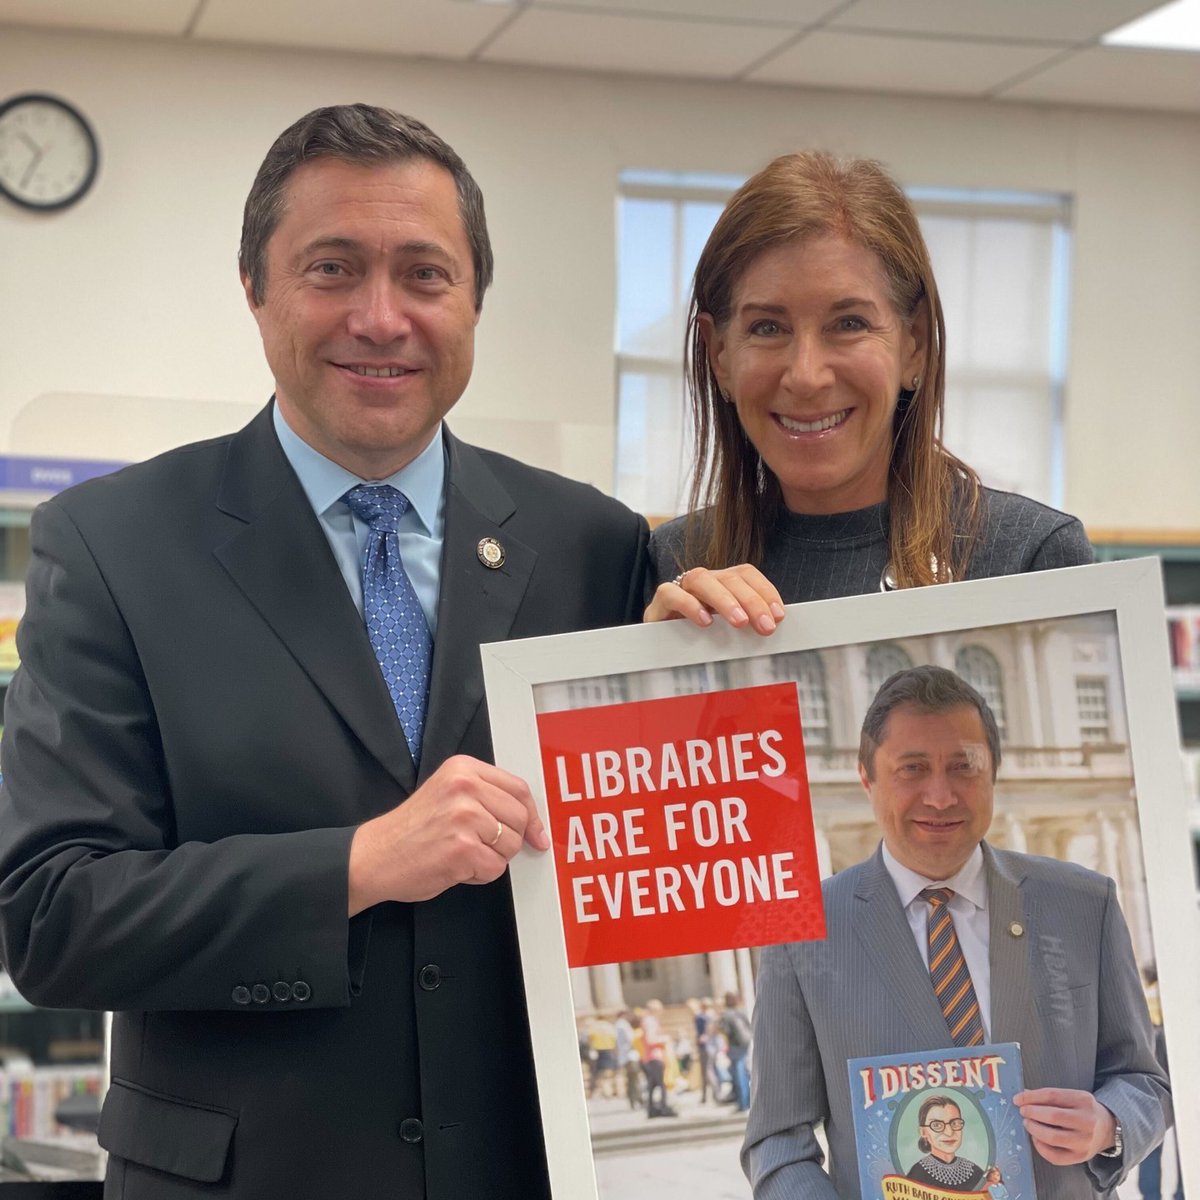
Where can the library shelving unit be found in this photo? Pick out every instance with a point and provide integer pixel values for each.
(1179, 552)
(46, 1057)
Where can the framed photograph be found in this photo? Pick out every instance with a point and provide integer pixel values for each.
(669, 869)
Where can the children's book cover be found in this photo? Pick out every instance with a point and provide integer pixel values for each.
(941, 1124)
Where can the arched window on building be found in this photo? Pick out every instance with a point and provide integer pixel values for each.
(884, 659)
(808, 672)
(979, 667)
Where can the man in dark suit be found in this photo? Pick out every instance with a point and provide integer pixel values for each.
(263, 833)
(1036, 952)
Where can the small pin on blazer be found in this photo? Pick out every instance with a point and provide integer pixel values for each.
(490, 553)
(1017, 929)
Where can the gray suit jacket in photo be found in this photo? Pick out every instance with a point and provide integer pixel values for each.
(198, 726)
(1064, 984)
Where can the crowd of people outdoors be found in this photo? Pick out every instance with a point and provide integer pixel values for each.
(651, 1056)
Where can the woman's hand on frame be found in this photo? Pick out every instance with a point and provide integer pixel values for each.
(742, 595)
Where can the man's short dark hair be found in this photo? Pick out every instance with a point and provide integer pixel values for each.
(364, 135)
(929, 690)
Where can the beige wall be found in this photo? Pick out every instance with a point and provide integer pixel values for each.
(134, 292)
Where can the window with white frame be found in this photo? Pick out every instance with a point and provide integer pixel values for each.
(884, 659)
(981, 669)
(806, 669)
(663, 221)
(1091, 703)
(1001, 261)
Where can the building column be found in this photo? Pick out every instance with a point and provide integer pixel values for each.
(581, 991)
(1014, 830)
(1110, 861)
(722, 973)
(1137, 915)
(607, 987)
(1036, 733)
(823, 861)
(941, 651)
(745, 971)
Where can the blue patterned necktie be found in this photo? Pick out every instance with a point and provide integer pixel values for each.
(948, 971)
(395, 622)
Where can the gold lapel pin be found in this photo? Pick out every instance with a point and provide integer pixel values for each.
(490, 553)
(1017, 929)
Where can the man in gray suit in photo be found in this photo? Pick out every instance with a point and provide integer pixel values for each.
(940, 940)
(247, 798)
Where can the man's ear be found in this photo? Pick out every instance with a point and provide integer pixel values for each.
(864, 778)
(715, 344)
(248, 289)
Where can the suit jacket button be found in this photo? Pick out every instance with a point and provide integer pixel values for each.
(301, 991)
(260, 993)
(282, 991)
(411, 1129)
(241, 994)
(430, 977)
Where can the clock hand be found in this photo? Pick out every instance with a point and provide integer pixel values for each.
(39, 153)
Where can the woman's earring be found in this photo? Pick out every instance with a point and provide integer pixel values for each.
(916, 383)
(724, 395)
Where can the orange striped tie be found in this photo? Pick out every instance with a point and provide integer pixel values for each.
(949, 974)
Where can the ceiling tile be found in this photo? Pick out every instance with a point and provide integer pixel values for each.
(115, 16)
(657, 46)
(1117, 76)
(441, 28)
(796, 13)
(1029, 20)
(908, 64)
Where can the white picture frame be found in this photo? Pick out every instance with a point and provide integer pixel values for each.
(1129, 591)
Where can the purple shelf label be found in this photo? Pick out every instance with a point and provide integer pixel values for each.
(18, 474)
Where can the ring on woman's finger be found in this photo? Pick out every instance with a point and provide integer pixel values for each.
(678, 580)
(499, 831)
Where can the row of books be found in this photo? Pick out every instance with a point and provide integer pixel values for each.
(30, 1096)
(1183, 625)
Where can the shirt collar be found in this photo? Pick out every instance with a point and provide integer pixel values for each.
(325, 482)
(969, 881)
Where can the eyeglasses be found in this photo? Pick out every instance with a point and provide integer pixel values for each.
(942, 1126)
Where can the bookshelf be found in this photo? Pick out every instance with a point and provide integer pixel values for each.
(48, 1059)
(1179, 552)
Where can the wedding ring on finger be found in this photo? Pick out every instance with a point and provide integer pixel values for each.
(499, 831)
(678, 580)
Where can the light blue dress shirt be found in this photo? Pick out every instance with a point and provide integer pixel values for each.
(421, 528)
(969, 910)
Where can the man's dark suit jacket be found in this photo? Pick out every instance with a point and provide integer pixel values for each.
(1064, 985)
(197, 728)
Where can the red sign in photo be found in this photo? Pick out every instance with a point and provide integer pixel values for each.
(681, 825)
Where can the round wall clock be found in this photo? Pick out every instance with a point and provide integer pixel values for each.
(48, 152)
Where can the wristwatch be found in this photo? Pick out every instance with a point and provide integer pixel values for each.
(1118, 1146)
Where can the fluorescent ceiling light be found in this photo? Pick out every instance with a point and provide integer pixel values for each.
(1174, 26)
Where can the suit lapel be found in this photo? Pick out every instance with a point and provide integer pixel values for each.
(477, 604)
(1012, 937)
(884, 932)
(282, 563)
